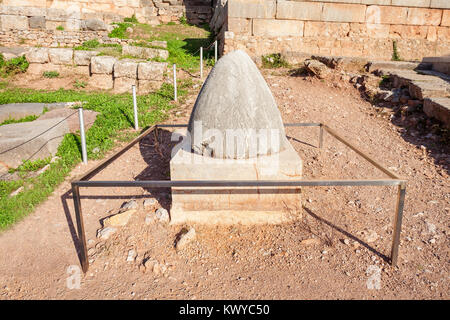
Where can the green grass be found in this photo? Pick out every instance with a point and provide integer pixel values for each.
(120, 31)
(274, 60)
(50, 74)
(115, 117)
(24, 119)
(60, 28)
(395, 54)
(12, 66)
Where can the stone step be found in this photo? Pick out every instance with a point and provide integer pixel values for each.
(397, 65)
(438, 108)
(439, 64)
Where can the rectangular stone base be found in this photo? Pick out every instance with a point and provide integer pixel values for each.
(232, 205)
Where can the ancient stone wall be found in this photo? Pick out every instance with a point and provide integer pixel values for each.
(356, 28)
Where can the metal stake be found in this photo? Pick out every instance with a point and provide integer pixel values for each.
(80, 226)
(175, 82)
(321, 137)
(215, 51)
(398, 223)
(83, 136)
(201, 62)
(136, 124)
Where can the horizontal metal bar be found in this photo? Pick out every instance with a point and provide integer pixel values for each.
(362, 154)
(237, 183)
(304, 124)
(89, 174)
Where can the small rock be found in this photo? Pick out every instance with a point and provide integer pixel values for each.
(311, 241)
(129, 30)
(346, 241)
(432, 241)
(105, 233)
(118, 220)
(431, 228)
(96, 150)
(131, 255)
(185, 239)
(148, 219)
(162, 215)
(149, 202)
(371, 236)
(129, 205)
(16, 192)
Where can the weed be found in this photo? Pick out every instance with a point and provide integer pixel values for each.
(395, 54)
(60, 28)
(50, 74)
(120, 31)
(133, 19)
(24, 119)
(274, 60)
(183, 20)
(12, 66)
(80, 84)
(171, 23)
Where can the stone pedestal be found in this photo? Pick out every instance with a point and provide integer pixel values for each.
(233, 205)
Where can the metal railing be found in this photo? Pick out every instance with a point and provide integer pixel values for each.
(393, 180)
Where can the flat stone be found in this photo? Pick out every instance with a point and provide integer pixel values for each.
(101, 81)
(94, 25)
(162, 215)
(119, 220)
(132, 204)
(150, 202)
(427, 89)
(83, 57)
(60, 55)
(21, 110)
(125, 68)
(317, 68)
(37, 55)
(438, 108)
(235, 102)
(105, 233)
(151, 70)
(73, 122)
(185, 239)
(102, 64)
(145, 53)
(37, 22)
(30, 140)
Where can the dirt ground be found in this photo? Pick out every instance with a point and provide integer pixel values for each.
(334, 251)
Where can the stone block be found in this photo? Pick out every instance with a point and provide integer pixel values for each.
(145, 53)
(37, 22)
(369, 30)
(94, 25)
(83, 57)
(124, 84)
(37, 55)
(47, 137)
(233, 205)
(275, 28)
(427, 89)
(377, 2)
(125, 68)
(56, 14)
(39, 68)
(240, 25)
(440, 4)
(299, 10)
(339, 12)
(422, 16)
(326, 29)
(412, 3)
(438, 108)
(386, 15)
(151, 70)
(252, 9)
(10, 22)
(101, 81)
(445, 18)
(60, 55)
(73, 25)
(147, 86)
(408, 32)
(102, 64)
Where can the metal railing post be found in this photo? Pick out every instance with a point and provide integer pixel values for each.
(80, 227)
(175, 82)
(83, 136)
(398, 223)
(201, 62)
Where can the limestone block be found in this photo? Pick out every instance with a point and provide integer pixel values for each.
(369, 30)
(60, 55)
(231, 205)
(10, 22)
(340, 12)
(240, 25)
(438, 108)
(53, 25)
(326, 29)
(37, 22)
(73, 25)
(445, 22)
(386, 15)
(412, 3)
(123, 84)
(39, 68)
(56, 14)
(125, 68)
(251, 8)
(145, 53)
(101, 81)
(94, 25)
(422, 16)
(275, 28)
(151, 70)
(299, 10)
(440, 4)
(47, 137)
(147, 86)
(83, 57)
(378, 2)
(408, 32)
(37, 55)
(102, 64)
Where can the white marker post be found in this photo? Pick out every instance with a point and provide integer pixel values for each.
(83, 136)
(175, 82)
(136, 124)
(215, 52)
(201, 62)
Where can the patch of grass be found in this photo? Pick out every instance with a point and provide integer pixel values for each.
(24, 119)
(171, 23)
(395, 54)
(183, 20)
(31, 165)
(50, 74)
(120, 31)
(274, 60)
(133, 19)
(12, 66)
(80, 84)
(115, 118)
(60, 28)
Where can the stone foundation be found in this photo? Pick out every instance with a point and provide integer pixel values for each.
(245, 205)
